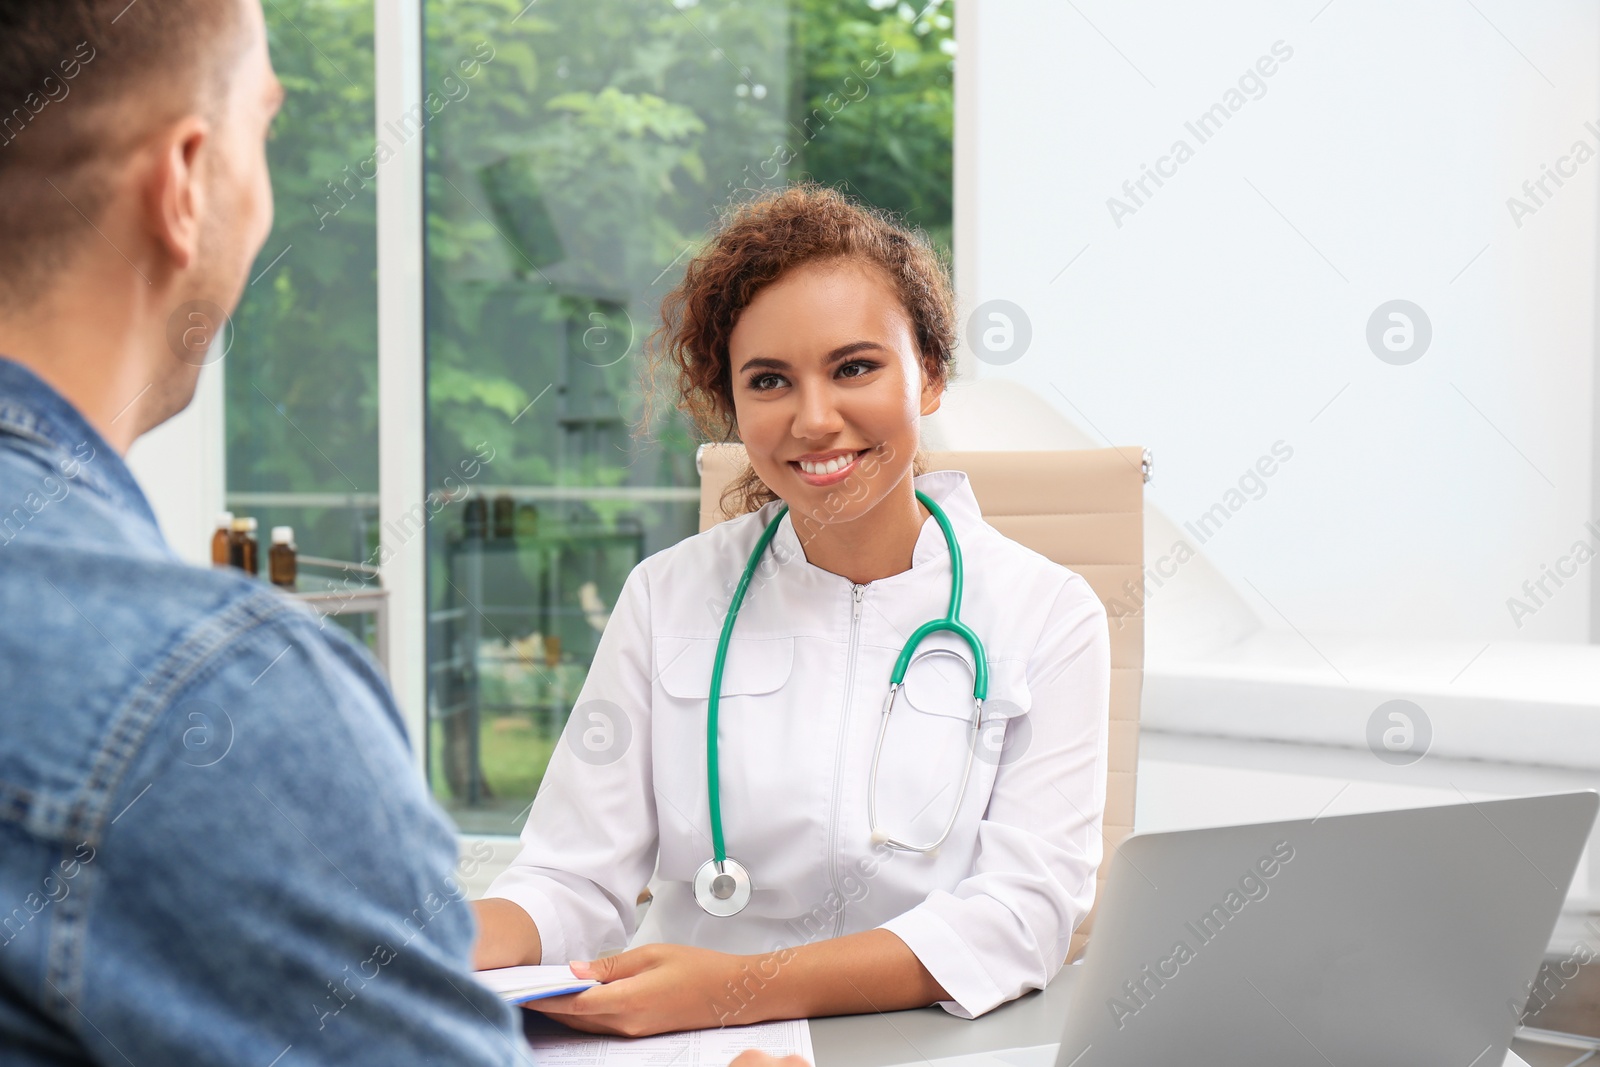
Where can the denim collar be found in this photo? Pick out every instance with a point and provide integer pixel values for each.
(32, 410)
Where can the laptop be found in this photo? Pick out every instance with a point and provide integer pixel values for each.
(1394, 937)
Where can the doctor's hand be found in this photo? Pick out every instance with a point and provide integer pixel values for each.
(655, 989)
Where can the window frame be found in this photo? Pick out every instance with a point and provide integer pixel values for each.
(402, 383)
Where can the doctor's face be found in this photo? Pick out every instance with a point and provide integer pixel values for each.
(828, 388)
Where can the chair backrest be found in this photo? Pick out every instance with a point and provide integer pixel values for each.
(1082, 509)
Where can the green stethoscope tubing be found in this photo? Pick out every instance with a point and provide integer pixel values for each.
(951, 622)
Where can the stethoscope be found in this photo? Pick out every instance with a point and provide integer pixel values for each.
(722, 884)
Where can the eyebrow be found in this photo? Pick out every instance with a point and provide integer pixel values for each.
(838, 354)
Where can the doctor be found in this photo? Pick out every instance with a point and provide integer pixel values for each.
(806, 855)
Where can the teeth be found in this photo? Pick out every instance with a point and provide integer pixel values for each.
(833, 466)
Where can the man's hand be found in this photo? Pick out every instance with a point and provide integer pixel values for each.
(660, 988)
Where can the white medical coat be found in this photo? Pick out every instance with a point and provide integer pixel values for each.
(624, 801)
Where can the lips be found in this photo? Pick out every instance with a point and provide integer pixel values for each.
(838, 459)
(831, 476)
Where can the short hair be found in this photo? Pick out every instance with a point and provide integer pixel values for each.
(80, 82)
(754, 244)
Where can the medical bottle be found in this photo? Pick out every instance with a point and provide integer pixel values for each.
(505, 521)
(222, 540)
(246, 549)
(476, 518)
(236, 543)
(281, 560)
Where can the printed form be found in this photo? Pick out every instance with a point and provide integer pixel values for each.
(692, 1048)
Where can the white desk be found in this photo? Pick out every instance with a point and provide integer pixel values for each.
(932, 1034)
(920, 1035)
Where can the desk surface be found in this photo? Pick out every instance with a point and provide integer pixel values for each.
(1034, 1018)
(932, 1033)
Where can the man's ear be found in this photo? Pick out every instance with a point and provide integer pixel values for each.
(175, 194)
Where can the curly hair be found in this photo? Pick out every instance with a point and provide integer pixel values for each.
(756, 242)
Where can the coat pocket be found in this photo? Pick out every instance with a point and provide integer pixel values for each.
(760, 796)
(939, 681)
(926, 740)
(753, 666)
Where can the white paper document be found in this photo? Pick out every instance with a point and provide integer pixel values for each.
(518, 985)
(693, 1048)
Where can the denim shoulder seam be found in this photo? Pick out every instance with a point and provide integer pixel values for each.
(187, 662)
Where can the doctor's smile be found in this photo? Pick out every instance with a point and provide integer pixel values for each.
(828, 469)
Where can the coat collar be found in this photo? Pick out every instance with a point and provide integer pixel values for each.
(948, 488)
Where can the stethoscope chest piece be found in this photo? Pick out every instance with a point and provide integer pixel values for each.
(722, 892)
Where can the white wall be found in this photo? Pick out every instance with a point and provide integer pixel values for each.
(182, 467)
(1229, 310)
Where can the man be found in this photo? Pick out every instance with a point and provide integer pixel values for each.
(213, 845)
(214, 848)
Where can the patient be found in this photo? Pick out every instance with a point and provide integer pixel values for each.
(214, 846)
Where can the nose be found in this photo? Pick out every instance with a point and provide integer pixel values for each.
(816, 414)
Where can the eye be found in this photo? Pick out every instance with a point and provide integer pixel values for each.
(755, 382)
(866, 365)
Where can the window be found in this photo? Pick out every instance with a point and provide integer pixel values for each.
(301, 365)
(576, 153)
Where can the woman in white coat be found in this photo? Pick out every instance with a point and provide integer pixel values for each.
(818, 332)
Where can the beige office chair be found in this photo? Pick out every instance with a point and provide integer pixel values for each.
(1082, 509)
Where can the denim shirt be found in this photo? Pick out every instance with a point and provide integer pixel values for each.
(214, 847)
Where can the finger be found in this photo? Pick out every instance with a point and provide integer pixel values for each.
(610, 968)
(581, 1023)
(596, 1000)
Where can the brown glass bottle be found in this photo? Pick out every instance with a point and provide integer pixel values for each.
(282, 558)
(222, 540)
(505, 521)
(236, 543)
(246, 550)
(477, 518)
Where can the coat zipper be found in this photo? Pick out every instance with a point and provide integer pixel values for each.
(857, 592)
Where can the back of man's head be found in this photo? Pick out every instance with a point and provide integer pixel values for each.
(80, 82)
(132, 183)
